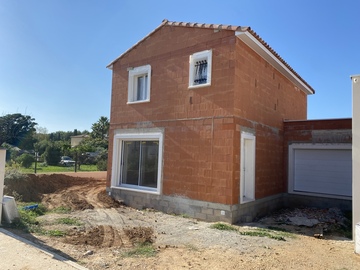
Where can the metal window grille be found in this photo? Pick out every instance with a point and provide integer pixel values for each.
(201, 68)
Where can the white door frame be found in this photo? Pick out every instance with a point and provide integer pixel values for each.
(247, 167)
(356, 160)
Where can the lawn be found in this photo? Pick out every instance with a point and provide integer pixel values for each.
(49, 169)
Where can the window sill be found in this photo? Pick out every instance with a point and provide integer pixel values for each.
(142, 190)
(139, 101)
(199, 85)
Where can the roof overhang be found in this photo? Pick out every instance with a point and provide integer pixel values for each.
(261, 50)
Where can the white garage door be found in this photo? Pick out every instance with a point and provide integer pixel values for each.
(324, 171)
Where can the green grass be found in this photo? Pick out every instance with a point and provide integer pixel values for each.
(263, 234)
(27, 221)
(61, 210)
(49, 169)
(223, 227)
(273, 233)
(141, 250)
(55, 233)
(69, 221)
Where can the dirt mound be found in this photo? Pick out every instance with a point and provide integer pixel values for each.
(73, 201)
(107, 200)
(100, 237)
(140, 234)
(103, 236)
(59, 190)
(31, 187)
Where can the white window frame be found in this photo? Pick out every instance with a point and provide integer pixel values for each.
(117, 156)
(204, 55)
(134, 74)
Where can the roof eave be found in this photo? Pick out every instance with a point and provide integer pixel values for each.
(260, 49)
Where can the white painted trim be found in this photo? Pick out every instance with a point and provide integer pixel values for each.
(356, 159)
(316, 146)
(121, 135)
(140, 101)
(260, 49)
(133, 74)
(195, 57)
(247, 136)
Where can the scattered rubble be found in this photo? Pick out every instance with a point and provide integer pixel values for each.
(303, 221)
(321, 220)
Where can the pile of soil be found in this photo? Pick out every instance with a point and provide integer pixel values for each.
(31, 187)
(59, 190)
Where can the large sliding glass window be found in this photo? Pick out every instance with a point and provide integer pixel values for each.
(137, 161)
(140, 163)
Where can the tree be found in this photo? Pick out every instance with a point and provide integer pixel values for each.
(100, 129)
(52, 154)
(16, 129)
(25, 160)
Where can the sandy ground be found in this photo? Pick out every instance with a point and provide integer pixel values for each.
(107, 231)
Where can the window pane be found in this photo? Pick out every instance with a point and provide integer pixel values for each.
(142, 82)
(140, 163)
(149, 163)
(130, 162)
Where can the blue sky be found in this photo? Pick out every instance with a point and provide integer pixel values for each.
(53, 53)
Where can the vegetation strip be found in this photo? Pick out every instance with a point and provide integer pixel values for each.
(275, 233)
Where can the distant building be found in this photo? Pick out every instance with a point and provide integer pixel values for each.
(75, 140)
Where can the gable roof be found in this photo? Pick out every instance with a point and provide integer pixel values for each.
(248, 36)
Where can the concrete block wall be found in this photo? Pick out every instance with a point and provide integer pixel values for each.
(208, 211)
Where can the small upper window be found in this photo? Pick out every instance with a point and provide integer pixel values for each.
(139, 84)
(200, 69)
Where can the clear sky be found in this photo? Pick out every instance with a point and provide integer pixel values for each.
(53, 53)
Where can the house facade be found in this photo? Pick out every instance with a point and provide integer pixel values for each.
(197, 122)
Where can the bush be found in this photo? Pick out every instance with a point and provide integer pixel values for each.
(25, 160)
(52, 155)
(102, 165)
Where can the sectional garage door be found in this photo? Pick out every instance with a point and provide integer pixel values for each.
(321, 171)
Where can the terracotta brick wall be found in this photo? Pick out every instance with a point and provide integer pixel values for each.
(265, 97)
(168, 51)
(198, 131)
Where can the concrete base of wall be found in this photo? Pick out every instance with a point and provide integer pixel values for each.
(213, 212)
(294, 200)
